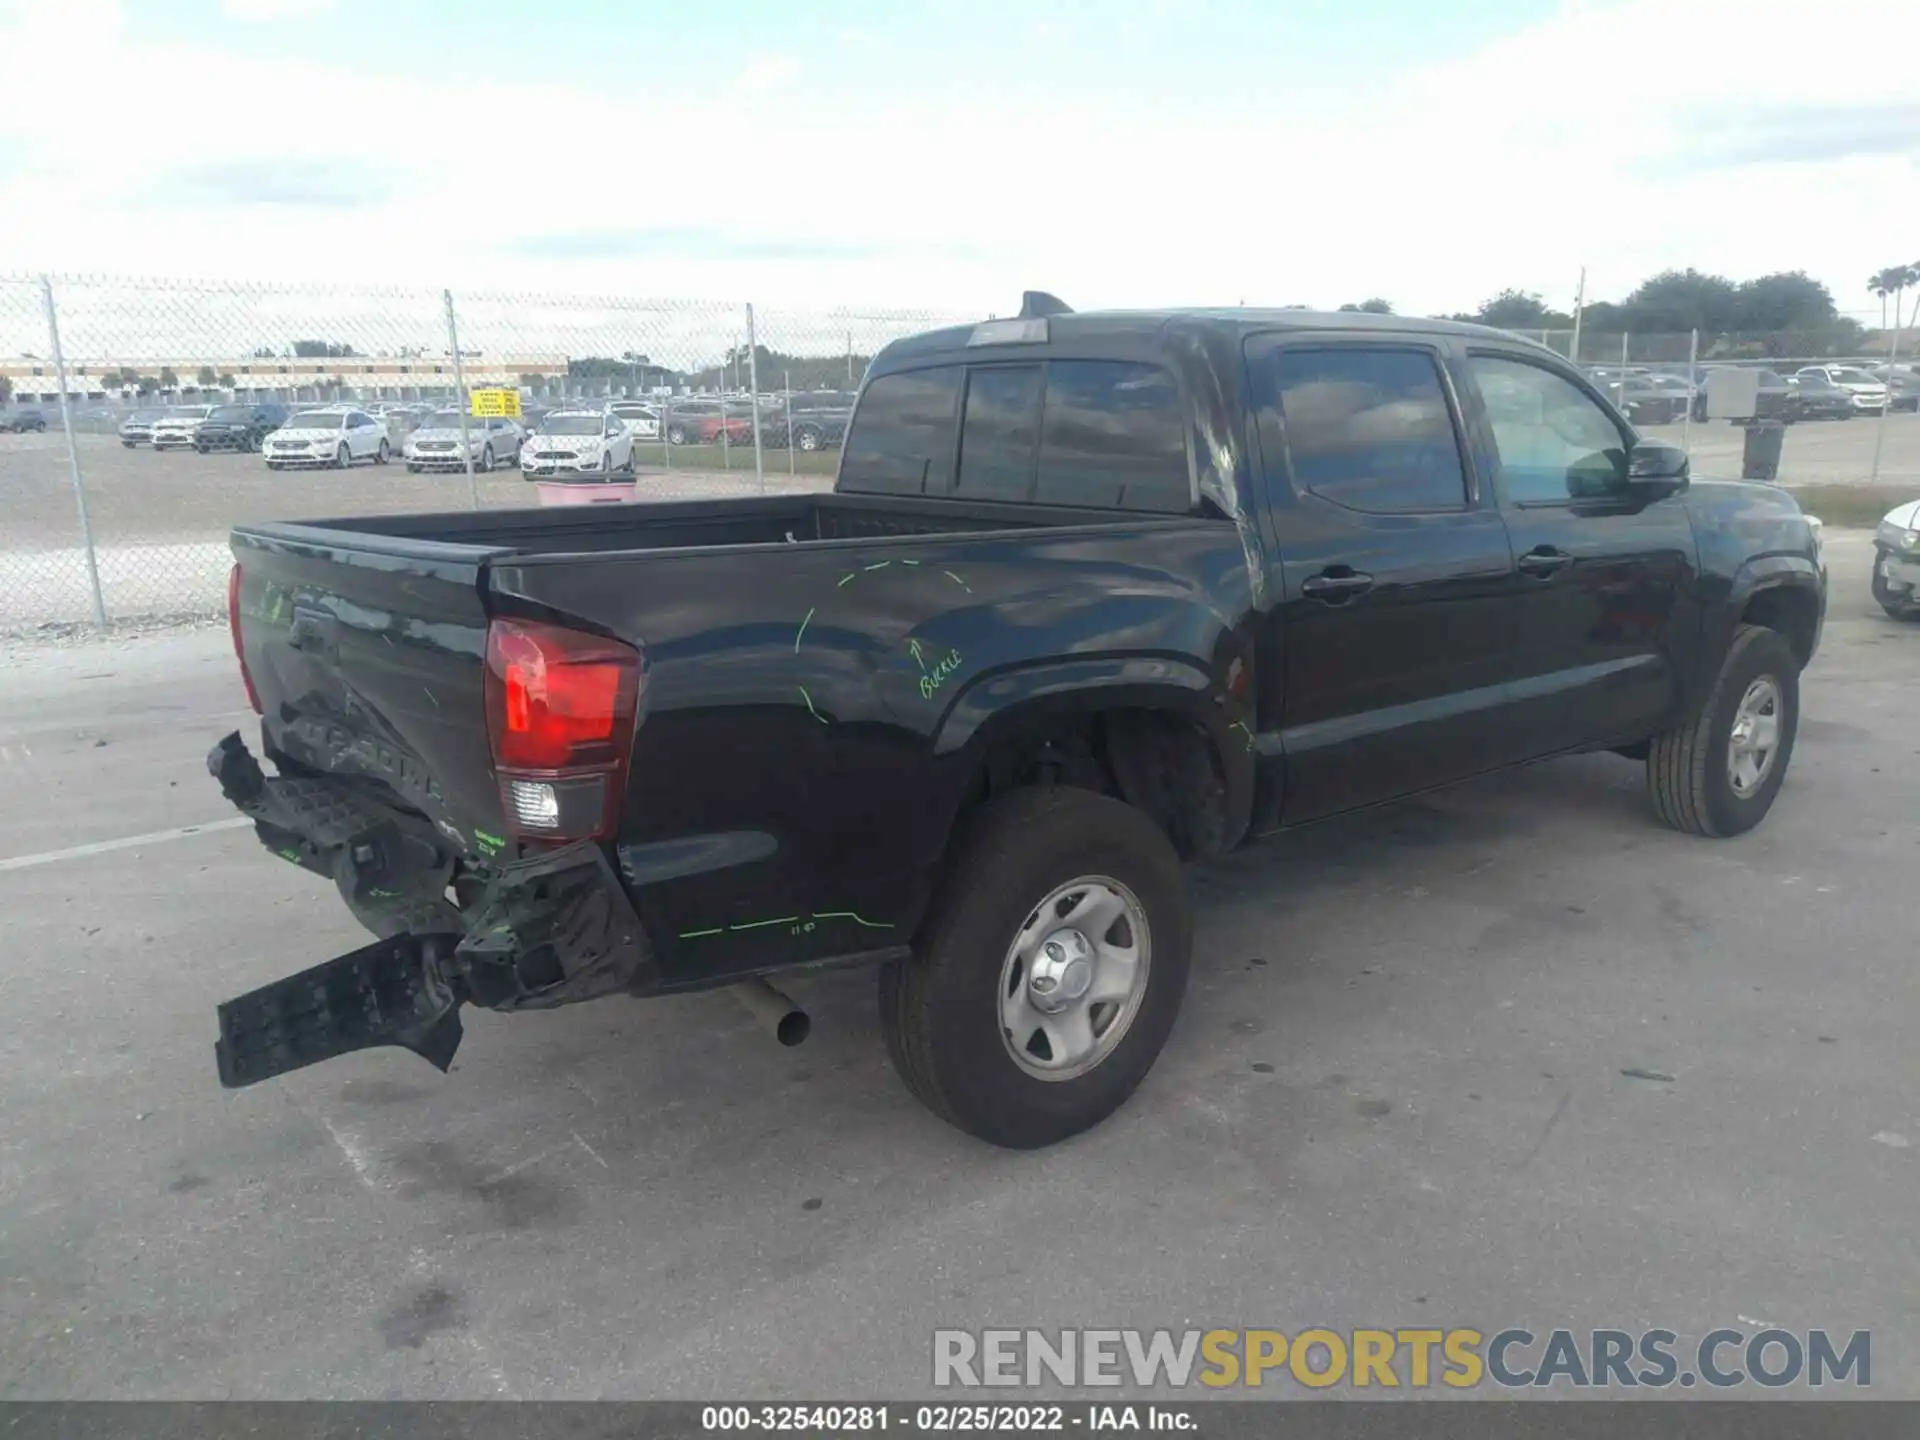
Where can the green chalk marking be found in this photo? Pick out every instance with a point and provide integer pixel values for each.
(877, 565)
(696, 934)
(802, 630)
(762, 924)
(849, 576)
(958, 581)
(857, 919)
(810, 710)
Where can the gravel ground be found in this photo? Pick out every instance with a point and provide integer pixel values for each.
(1508, 1055)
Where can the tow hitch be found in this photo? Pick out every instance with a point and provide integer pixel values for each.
(392, 992)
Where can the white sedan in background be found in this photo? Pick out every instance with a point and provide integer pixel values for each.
(332, 435)
(642, 419)
(436, 444)
(578, 442)
(175, 429)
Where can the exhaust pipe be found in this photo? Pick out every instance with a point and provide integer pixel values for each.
(771, 1008)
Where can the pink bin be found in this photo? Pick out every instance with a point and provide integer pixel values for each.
(586, 492)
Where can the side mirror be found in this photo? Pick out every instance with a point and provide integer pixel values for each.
(1657, 465)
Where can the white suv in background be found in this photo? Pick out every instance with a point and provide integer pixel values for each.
(1868, 393)
(175, 429)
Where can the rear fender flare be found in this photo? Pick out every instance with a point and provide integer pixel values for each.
(1003, 704)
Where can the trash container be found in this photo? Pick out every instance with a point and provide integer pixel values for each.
(1760, 456)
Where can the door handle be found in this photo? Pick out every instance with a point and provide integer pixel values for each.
(1336, 584)
(1544, 562)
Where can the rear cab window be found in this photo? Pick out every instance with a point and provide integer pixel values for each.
(1108, 434)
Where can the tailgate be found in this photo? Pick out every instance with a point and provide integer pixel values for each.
(368, 654)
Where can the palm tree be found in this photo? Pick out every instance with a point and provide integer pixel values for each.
(1883, 283)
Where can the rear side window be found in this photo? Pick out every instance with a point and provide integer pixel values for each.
(903, 434)
(997, 438)
(1113, 435)
(1369, 429)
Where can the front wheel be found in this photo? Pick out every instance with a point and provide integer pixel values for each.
(1718, 773)
(808, 440)
(342, 458)
(486, 460)
(1048, 973)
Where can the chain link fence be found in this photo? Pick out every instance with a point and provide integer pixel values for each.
(113, 507)
(103, 519)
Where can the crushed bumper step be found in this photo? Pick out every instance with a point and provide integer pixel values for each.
(392, 992)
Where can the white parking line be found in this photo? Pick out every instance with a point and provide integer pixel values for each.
(103, 847)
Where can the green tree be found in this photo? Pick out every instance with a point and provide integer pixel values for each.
(1677, 301)
(144, 384)
(6, 389)
(168, 380)
(1893, 283)
(322, 349)
(206, 379)
(1520, 310)
(1371, 306)
(226, 380)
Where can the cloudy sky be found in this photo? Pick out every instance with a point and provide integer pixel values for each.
(948, 153)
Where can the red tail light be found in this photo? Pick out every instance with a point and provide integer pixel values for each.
(560, 711)
(239, 650)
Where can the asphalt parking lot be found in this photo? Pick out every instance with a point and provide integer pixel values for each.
(1396, 1097)
(160, 520)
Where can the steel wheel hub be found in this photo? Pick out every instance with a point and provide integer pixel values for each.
(1755, 738)
(1074, 977)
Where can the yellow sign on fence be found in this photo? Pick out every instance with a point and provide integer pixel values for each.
(500, 404)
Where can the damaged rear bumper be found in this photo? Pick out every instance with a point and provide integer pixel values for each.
(548, 929)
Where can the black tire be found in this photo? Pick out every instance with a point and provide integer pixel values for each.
(1687, 766)
(412, 469)
(807, 438)
(342, 457)
(383, 454)
(676, 434)
(126, 444)
(940, 1009)
(1899, 605)
(273, 464)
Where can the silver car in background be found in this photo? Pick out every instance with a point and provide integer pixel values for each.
(436, 444)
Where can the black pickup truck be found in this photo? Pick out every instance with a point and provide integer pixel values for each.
(1093, 595)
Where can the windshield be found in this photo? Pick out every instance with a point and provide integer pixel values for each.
(442, 420)
(315, 420)
(147, 415)
(231, 412)
(188, 412)
(571, 425)
(1854, 377)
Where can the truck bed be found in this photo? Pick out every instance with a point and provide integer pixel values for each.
(675, 525)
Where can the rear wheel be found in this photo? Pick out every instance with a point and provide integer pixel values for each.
(1049, 971)
(383, 453)
(486, 459)
(676, 434)
(1718, 773)
(807, 438)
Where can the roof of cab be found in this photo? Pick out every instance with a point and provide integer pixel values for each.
(1110, 325)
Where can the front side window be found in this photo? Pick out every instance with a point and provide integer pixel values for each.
(1113, 434)
(1554, 442)
(998, 434)
(902, 438)
(1369, 429)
